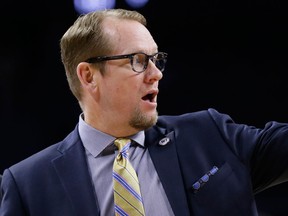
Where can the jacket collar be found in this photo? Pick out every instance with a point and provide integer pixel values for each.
(162, 148)
(74, 177)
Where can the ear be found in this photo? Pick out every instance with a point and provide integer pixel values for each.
(86, 76)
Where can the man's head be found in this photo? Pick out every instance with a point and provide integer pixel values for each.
(87, 38)
(113, 68)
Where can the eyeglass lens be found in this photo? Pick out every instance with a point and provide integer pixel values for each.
(140, 61)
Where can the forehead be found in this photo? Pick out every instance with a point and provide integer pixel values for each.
(129, 36)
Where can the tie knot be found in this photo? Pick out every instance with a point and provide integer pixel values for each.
(123, 145)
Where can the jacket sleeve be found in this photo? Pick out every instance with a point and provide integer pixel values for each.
(263, 150)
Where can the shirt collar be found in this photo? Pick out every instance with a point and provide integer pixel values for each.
(96, 141)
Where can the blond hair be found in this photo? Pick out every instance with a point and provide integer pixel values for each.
(86, 39)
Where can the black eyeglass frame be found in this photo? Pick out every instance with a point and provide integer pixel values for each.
(131, 56)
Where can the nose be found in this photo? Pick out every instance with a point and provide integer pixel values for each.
(152, 73)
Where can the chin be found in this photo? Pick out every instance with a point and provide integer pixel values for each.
(143, 121)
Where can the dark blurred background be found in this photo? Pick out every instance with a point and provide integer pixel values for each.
(230, 55)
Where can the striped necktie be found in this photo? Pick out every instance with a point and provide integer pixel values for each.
(127, 195)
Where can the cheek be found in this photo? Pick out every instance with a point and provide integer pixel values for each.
(121, 88)
(117, 92)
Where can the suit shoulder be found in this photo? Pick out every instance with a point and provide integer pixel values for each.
(203, 117)
(202, 114)
(53, 151)
(36, 158)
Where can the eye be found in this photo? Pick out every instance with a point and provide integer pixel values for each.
(139, 59)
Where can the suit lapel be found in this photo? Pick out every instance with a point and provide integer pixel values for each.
(72, 170)
(164, 156)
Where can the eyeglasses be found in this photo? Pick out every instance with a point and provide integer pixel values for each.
(139, 61)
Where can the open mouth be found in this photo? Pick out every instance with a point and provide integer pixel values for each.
(151, 97)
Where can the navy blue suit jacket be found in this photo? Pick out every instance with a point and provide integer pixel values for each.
(209, 166)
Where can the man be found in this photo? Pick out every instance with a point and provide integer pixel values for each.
(198, 163)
